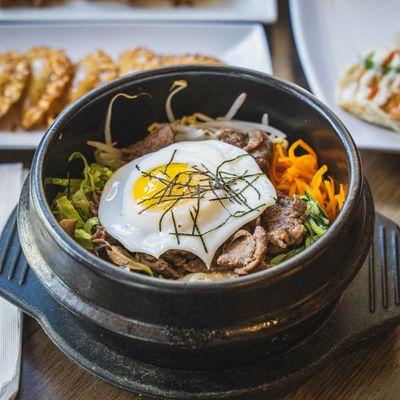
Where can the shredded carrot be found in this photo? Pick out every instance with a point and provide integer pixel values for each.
(293, 173)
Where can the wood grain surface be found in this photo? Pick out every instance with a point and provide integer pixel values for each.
(372, 371)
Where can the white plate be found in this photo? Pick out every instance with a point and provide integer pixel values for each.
(242, 45)
(207, 10)
(330, 35)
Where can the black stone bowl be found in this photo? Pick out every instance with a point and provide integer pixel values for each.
(197, 325)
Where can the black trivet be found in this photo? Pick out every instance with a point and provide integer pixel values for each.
(369, 306)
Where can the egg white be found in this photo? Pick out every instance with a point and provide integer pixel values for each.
(139, 231)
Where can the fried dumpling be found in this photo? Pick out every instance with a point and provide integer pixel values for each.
(94, 70)
(36, 3)
(138, 59)
(190, 59)
(370, 89)
(51, 71)
(14, 73)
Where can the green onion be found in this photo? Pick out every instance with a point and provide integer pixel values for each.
(369, 62)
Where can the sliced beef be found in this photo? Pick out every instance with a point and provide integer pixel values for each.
(242, 254)
(256, 143)
(233, 137)
(69, 226)
(261, 148)
(184, 261)
(102, 238)
(159, 266)
(283, 223)
(153, 141)
(244, 251)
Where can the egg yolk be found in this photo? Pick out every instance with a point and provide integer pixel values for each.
(159, 188)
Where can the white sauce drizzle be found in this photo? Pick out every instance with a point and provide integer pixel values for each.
(388, 82)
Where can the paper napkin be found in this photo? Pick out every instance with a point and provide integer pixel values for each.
(11, 176)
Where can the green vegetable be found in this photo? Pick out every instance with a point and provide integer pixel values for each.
(79, 199)
(369, 62)
(285, 256)
(75, 201)
(138, 266)
(90, 224)
(73, 184)
(65, 210)
(387, 69)
(83, 238)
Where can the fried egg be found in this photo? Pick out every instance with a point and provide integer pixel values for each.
(189, 196)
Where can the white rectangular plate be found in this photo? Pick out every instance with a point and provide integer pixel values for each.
(207, 10)
(242, 45)
(330, 35)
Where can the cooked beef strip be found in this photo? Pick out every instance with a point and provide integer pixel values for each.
(233, 137)
(102, 238)
(153, 141)
(160, 266)
(244, 251)
(69, 226)
(283, 223)
(184, 261)
(261, 148)
(256, 143)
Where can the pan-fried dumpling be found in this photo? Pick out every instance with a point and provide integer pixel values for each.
(14, 73)
(94, 70)
(51, 71)
(138, 59)
(190, 59)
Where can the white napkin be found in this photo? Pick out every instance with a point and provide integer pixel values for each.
(11, 176)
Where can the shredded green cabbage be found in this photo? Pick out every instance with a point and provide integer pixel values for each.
(83, 238)
(76, 198)
(64, 209)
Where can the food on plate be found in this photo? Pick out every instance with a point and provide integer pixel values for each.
(174, 3)
(141, 58)
(189, 59)
(370, 89)
(93, 70)
(51, 71)
(138, 59)
(14, 73)
(36, 3)
(199, 198)
(47, 80)
(40, 3)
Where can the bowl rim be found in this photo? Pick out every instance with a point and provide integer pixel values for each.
(100, 266)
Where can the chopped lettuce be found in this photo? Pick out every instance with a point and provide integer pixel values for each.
(64, 209)
(90, 225)
(77, 197)
(83, 238)
(71, 185)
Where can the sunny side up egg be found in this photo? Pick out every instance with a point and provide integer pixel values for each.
(188, 196)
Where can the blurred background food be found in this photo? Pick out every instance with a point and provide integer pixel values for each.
(40, 3)
(37, 84)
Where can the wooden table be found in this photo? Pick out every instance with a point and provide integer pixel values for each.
(370, 372)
